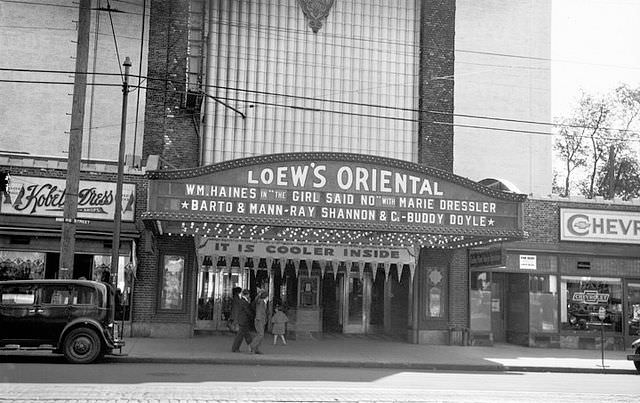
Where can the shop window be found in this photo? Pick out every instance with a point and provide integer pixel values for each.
(102, 265)
(581, 298)
(19, 265)
(122, 279)
(172, 292)
(480, 302)
(543, 303)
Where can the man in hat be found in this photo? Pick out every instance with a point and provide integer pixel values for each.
(244, 318)
(260, 321)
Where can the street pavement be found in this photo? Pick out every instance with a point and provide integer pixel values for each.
(368, 352)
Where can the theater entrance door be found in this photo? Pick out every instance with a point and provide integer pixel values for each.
(355, 302)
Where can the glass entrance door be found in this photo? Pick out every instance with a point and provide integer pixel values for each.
(214, 296)
(355, 303)
(632, 311)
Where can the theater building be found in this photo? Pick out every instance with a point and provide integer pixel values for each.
(346, 243)
(319, 150)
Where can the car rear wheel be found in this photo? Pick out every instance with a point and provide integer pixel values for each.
(82, 346)
(637, 363)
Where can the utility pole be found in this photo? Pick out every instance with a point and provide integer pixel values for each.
(68, 236)
(115, 248)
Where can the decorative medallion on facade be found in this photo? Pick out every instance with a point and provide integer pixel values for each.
(316, 11)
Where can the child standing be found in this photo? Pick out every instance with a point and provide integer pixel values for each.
(278, 325)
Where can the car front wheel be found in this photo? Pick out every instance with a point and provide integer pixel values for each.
(82, 346)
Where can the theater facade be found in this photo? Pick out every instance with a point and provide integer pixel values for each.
(346, 243)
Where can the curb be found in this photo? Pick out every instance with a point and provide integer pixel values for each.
(366, 364)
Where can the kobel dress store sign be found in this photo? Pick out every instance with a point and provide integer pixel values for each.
(334, 190)
(44, 197)
(599, 226)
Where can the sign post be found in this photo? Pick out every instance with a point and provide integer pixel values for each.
(602, 314)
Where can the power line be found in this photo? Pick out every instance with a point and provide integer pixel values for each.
(405, 44)
(35, 3)
(315, 99)
(115, 39)
(397, 43)
(373, 116)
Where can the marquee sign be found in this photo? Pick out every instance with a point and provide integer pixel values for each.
(599, 226)
(44, 197)
(326, 190)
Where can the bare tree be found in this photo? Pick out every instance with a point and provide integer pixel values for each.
(597, 142)
(619, 177)
(570, 144)
(595, 116)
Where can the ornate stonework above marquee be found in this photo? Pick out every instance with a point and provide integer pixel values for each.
(316, 11)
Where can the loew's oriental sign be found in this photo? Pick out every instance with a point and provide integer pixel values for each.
(333, 190)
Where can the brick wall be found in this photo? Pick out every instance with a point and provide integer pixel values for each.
(147, 289)
(171, 131)
(459, 288)
(437, 32)
(542, 225)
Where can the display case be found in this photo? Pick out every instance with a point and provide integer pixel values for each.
(308, 292)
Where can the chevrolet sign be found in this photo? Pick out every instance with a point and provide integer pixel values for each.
(599, 226)
(590, 297)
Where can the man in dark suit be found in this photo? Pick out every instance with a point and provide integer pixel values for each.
(260, 321)
(245, 322)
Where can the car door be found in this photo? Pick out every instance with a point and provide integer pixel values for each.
(53, 311)
(17, 313)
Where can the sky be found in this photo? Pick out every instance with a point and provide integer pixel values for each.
(595, 46)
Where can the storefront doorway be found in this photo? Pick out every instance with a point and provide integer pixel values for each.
(632, 311)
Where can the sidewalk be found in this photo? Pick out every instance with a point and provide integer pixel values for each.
(372, 353)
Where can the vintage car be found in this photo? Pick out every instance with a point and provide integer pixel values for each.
(70, 317)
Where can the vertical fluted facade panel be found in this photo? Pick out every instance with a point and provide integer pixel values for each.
(280, 87)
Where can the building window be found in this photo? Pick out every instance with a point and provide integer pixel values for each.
(21, 265)
(172, 294)
(581, 298)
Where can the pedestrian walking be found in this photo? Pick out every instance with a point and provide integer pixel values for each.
(245, 322)
(235, 309)
(279, 325)
(260, 321)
